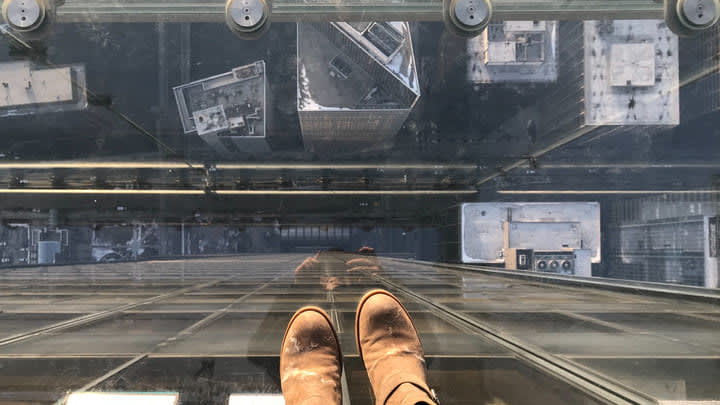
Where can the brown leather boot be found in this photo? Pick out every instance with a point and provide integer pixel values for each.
(390, 348)
(310, 360)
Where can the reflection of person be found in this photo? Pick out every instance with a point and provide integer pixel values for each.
(332, 269)
(388, 344)
(326, 269)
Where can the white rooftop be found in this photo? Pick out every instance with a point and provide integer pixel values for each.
(631, 73)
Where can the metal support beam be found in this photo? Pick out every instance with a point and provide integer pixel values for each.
(699, 294)
(290, 11)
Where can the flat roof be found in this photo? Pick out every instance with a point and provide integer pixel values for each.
(328, 79)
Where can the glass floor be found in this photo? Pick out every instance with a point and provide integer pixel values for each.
(208, 328)
(166, 166)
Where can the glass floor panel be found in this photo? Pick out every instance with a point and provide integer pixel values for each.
(199, 380)
(667, 379)
(123, 335)
(477, 380)
(183, 307)
(45, 380)
(16, 323)
(220, 333)
(457, 380)
(238, 334)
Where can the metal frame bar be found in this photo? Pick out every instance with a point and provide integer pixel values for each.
(212, 317)
(290, 11)
(232, 166)
(628, 286)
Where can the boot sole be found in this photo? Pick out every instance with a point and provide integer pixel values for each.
(329, 321)
(362, 303)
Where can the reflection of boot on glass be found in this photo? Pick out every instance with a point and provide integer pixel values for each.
(390, 348)
(367, 261)
(333, 268)
(310, 360)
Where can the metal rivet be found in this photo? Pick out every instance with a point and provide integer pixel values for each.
(698, 13)
(249, 13)
(23, 14)
(471, 13)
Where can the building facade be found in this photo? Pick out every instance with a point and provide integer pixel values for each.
(357, 83)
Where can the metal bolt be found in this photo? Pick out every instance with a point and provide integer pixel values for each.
(248, 13)
(23, 14)
(698, 13)
(471, 13)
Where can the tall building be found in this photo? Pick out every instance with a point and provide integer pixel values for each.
(700, 74)
(614, 75)
(514, 51)
(557, 237)
(26, 89)
(228, 111)
(668, 239)
(357, 83)
(631, 73)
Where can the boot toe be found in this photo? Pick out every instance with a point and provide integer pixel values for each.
(389, 346)
(310, 360)
(309, 330)
(381, 311)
